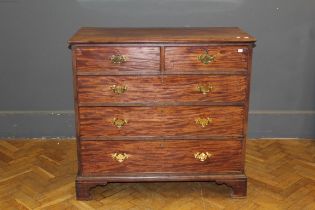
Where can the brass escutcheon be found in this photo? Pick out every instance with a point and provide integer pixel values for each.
(206, 58)
(204, 89)
(119, 122)
(203, 122)
(119, 89)
(120, 157)
(118, 59)
(202, 156)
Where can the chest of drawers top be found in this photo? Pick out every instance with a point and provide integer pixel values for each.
(90, 35)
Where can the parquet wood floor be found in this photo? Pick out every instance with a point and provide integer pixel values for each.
(39, 174)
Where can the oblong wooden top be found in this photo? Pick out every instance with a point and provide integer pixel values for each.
(89, 35)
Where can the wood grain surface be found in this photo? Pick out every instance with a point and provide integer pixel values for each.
(225, 58)
(94, 35)
(160, 156)
(160, 89)
(97, 59)
(161, 121)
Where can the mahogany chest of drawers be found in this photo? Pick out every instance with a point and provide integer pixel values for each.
(161, 104)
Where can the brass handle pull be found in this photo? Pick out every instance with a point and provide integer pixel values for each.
(118, 59)
(204, 89)
(119, 122)
(120, 157)
(202, 156)
(203, 122)
(206, 58)
(118, 89)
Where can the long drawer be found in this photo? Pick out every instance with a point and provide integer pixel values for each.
(197, 121)
(105, 157)
(117, 60)
(205, 59)
(162, 89)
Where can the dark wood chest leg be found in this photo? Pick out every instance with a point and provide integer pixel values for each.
(83, 189)
(239, 187)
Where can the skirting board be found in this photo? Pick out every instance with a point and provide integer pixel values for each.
(59, 124)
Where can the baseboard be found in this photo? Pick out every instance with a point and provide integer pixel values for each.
(37, 124)
(282, 124)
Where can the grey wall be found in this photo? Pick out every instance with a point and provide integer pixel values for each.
(35, 67)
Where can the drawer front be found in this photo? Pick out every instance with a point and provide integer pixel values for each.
(117, 60)
(191, 156)
(205, 59)
(174, 121)
(162, 89)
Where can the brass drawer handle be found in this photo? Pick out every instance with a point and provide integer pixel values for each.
(120, 157)
(206, 58)
(118, 59)
(119, 122)
(119, 89)
(204, 89)
(202, 156)
(203, 122)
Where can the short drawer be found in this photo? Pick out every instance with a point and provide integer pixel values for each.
(160, 89)
(205, 59)
(117, 60)
(169, 156)
(164, 121)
